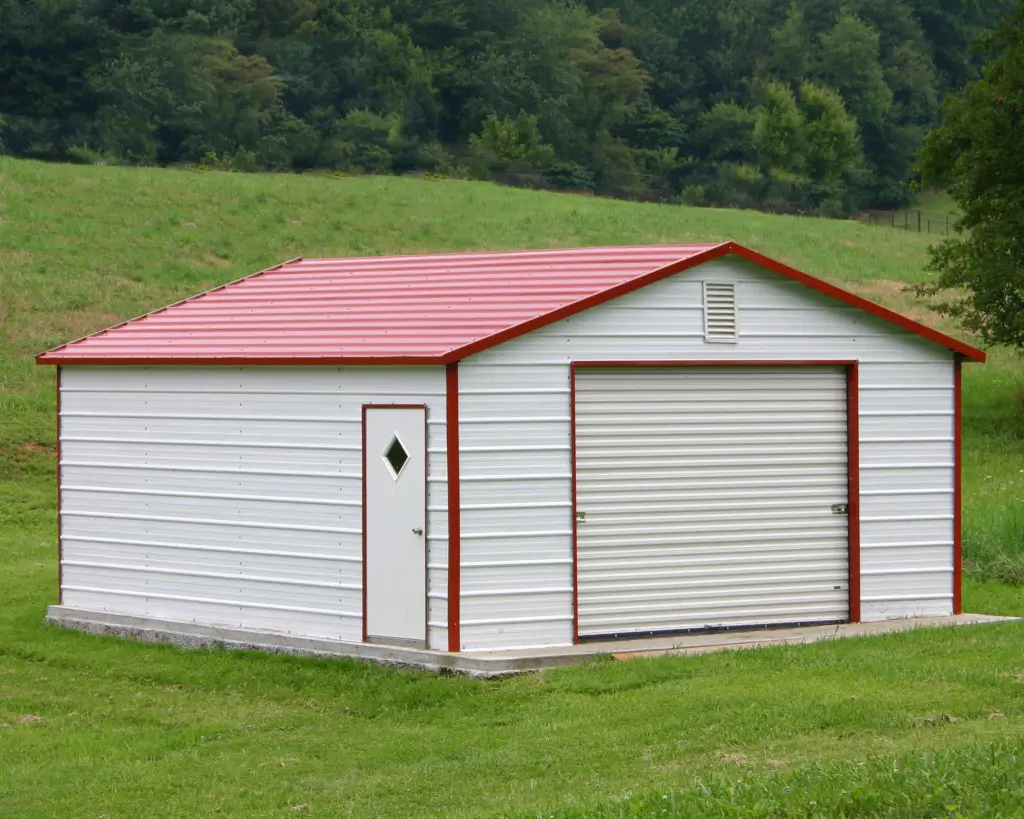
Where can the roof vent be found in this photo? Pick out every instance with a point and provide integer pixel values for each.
(719, 312)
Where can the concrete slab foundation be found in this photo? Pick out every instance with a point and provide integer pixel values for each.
(478, 663)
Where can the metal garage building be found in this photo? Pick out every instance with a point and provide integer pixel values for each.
(506, 450)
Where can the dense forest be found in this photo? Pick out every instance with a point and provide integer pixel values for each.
(816, 105)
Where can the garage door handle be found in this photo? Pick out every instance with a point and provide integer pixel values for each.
(840, 509)
(418, 531)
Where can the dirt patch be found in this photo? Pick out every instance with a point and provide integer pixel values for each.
(212, 260)
(941, 719)
(733, 758)
(892, 294)
(75, 325)
(41, 449)
(29, 719)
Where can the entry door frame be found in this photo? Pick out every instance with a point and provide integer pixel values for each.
(426, 516)
(852, 459)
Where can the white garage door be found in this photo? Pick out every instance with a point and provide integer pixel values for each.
(710, 497)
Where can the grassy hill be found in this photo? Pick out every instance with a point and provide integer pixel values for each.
(90, 726)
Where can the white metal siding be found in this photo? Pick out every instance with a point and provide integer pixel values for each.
(705, 497)
(233, 495)
(906, 418)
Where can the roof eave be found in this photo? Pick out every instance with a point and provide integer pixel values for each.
(240, 361)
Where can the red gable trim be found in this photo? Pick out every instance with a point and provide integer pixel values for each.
(700, 258)
(853, 300)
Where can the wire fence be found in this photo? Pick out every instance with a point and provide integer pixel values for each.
(921, 221)
(647, 188)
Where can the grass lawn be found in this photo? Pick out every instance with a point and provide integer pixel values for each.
(917, 724)
(936, 202)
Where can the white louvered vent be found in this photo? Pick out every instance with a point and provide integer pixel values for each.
(719, 312)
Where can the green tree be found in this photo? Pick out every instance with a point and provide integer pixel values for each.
(850, 63)
(791, 47)
(834, 159)
(977, 151)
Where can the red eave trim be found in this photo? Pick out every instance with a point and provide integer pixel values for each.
(52, 357)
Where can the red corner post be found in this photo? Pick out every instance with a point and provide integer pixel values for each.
(454, 506)
(60, 545)
(958, 557)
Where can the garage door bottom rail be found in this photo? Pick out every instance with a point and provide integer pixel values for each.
(680, 632)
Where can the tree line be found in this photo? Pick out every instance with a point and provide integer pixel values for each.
(817, 105)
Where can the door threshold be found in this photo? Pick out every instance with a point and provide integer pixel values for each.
(396, 641)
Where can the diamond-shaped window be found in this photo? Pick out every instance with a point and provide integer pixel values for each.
(395, 456)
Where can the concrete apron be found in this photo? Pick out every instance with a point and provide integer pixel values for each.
(479, 663)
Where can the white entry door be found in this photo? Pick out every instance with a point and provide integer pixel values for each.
(395, 480)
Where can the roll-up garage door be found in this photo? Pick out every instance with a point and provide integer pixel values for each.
(710, 497)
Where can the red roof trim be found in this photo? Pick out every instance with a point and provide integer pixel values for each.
(853, 300)
(706, 256)
(271, 361)
(55, 355)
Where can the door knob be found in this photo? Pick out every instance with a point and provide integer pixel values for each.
(417, 531)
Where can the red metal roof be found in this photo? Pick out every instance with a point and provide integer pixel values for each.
(428, 309)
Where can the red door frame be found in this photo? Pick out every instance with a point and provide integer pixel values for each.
(852, 460)
(426, 516)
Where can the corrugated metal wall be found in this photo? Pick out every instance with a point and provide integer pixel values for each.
(233, 495)
(705, 496)
(515, 422)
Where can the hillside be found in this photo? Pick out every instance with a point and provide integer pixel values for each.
(99, 726)
(803, 105)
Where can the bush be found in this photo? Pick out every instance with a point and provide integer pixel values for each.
(512, 145)
(695, 196)
(570, 176)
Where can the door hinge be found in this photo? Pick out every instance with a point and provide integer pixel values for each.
(840, 509)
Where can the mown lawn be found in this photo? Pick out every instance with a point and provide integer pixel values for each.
(918, 724)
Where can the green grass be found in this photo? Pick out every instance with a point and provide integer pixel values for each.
(979, 779)
(936, 202)
(103, 727)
